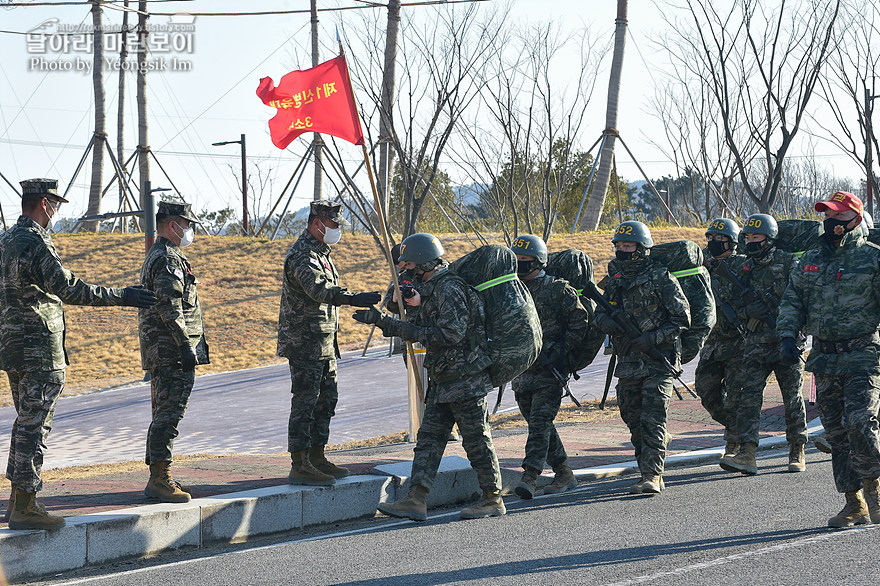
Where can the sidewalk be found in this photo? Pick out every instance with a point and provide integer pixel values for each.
(595, 450)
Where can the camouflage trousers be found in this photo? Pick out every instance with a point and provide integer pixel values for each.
(314, 395)
(644, 406)
(476, 439)
(848, 405)
(34, 395)
(748, 396)
(539, 405)
(170, 388)
(712, 381)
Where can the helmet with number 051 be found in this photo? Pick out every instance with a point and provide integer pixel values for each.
(530, 245)
(633, 231)
(725, 227)
(761, 224)
(420, 248)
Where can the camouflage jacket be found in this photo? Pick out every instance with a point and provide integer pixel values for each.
(33, 285)
(834, 295)
(310, 296)
(724, 337)
(451, 326)
(176, 319)
(564, 324)
(652, 297)
(767, 275)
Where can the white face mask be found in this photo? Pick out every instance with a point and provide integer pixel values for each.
(332, 235)
(189, 234)
(52, 218)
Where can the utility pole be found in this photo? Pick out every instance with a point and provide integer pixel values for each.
(317, 140)
(143, 143)
(94, 205)
(869, 149)
(386, 155)
(120, 115)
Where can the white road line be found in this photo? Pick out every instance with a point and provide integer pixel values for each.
(741, 556)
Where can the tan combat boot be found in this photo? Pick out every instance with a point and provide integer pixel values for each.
(563, 481)
(744, 462)
(797, 460)
(854, 513)
(652, 483)
(528, 484)
(411, 507)
(491, 505)
(638, 486)
(27, 513)
(9, 506)
(320, 461)
(730, 450)
(302, 472)
(871, 490)
(822, 444)
(162, 487)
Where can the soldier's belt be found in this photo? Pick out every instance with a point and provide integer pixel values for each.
(841, 346)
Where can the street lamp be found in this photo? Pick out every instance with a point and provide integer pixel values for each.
(244, 204)
(665, 198)
(869, 159)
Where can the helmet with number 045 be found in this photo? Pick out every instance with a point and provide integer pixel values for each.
(724, 227)
(633, 231)
(420, 248)
(761, 224)
(530, 245)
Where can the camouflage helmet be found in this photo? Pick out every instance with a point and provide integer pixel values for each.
(633, 231)
(530, 245)
(725, 227)
(420, 248)
(761, 224)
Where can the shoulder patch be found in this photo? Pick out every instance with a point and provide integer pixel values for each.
(176, 271)
(811, 268)
(314, 261)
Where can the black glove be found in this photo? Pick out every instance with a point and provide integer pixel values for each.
(187, 357)
(367, 316)
(606, 324)
(789, 353)
(644, 343)
(365, 299)
(137, 296)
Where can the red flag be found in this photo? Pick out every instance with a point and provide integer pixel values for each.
(314, 100)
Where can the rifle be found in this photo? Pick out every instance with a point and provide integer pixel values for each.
(498, 400)
(563, 380)
(730, 314)
(608, 376)
(632, 331)
(749, 295)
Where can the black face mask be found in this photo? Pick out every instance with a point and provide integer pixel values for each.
(717, 247)
(835, 229)
(523, 267)
(754, 248)
(624, 256)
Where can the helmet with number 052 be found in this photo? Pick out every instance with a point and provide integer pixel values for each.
(725, 227)
(633, 231)
(420, 248)
(761, 224)
(530, 245)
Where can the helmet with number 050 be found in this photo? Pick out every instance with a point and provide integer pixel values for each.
(420, 248)
(725, 227)
(761, 224)
(633, 231)
(530, 245)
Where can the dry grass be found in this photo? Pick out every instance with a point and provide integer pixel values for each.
(240, 291)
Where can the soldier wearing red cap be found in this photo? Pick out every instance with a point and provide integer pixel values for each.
(834, 295)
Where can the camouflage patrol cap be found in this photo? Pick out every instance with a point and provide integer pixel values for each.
(179, 209)
(324, 208)
(41, 186)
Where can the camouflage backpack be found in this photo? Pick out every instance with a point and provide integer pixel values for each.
(794, 236)
(512, 325)
(576, 267)
(684, 259)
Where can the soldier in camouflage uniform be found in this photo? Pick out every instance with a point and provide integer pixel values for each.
(766, 271)
(33, 285)
(451, 324)
(539, 389)
(722, 354)
(172, 341)
(834, 295)
(307, 327)
(650, 296)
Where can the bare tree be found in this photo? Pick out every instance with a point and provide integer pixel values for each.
(761, 64)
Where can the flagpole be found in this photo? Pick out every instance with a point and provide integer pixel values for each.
(380, 212)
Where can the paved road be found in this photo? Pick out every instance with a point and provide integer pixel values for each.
(709, 527)
(246, 412)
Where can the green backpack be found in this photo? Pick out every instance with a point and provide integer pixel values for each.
(513, 328)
